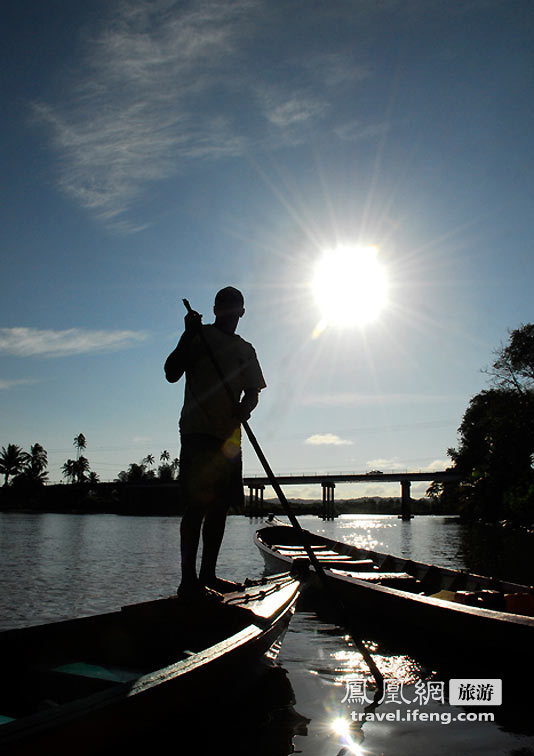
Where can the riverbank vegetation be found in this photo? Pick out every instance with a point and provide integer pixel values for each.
(495, 454)
(142, 472)
(24, 468)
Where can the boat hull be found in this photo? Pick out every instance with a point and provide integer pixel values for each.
(414, 618)
(245, 628)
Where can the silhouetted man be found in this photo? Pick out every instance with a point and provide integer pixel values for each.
(210, 431)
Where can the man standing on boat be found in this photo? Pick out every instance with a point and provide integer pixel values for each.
(217, 363)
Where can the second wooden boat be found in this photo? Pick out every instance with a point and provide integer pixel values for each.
(428, 607)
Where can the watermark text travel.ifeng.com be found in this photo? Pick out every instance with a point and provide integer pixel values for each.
(416, 715)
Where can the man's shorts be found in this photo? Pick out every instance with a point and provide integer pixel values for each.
(209, 477)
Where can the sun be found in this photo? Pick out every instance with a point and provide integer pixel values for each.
(349, 286)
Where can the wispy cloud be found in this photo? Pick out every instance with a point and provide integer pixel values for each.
(286, 110)
(336, 68)
(130, 117)
(327, 439)
(30, 342)
(357, 130)
(161, 83)
(9, 384)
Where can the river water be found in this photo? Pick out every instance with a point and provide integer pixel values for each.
(56, 566)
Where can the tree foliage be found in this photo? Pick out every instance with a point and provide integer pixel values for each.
(76, 470)
(141, 472)
(495, 451)
(80, 443)
(513, 367)
(34, 472)
(13, 460)
(136, 473)
(24, 468)
(496, 438)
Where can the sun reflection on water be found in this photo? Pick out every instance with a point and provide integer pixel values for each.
(350, 663)
(347, 734)
(367, 533)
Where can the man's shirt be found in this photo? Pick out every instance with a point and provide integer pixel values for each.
(207, 407)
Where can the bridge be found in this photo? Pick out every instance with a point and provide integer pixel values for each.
(257, 484)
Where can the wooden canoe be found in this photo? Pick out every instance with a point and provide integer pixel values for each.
(429, 608)
(76, 685)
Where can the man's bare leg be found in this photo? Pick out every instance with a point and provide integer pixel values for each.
(212, 536)
(189, 540)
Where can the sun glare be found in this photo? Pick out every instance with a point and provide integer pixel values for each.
(342, 729)
(340, 726)
(349, 286)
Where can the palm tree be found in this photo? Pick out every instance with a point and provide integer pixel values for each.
(75, 469)
(148, 460)
(164, 456)
(135, 474)
(38, 456)
(69, 470)
(36, 465)
(81, 467)
(12, 461)
(165, 473)
(175, 465)
(93, 478)
(80, 444)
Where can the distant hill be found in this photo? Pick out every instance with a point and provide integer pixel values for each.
(156, 498)
(362, 505)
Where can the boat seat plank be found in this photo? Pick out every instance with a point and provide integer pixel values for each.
(4, 719)
(59, 686)
(390, 579)
(332, 558)
(375, 576)
(321, 556)
(352, 564)
(299, 552)
(113, 674)
(289, 547)
(326, 554)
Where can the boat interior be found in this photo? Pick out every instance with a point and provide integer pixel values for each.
(390, 571)
(49, 665)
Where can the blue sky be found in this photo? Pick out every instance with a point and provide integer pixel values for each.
(160, 150)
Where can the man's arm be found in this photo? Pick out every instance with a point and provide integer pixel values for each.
(176, 362)
(255, 382)
(248, 403)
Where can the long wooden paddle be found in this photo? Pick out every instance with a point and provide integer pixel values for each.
(379, 678)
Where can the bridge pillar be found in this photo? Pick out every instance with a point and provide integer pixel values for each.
(255, 499)
(406, 513)
(328, 510)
